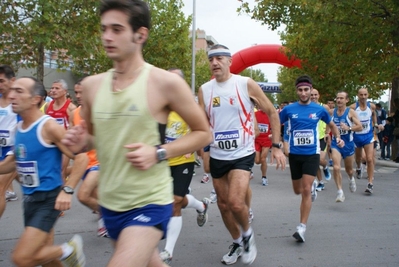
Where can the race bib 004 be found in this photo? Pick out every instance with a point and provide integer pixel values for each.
(227, 140)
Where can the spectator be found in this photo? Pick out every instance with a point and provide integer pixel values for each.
(387, 138)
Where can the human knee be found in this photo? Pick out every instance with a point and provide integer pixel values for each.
(336, 168)
(21, 259)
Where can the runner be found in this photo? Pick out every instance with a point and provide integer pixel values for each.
(38, 152)
(227, 102)
(304, 149)
(130, 105)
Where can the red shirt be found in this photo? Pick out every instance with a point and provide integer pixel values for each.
(263, 125)
(60, 115)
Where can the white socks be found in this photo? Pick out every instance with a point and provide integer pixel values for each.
(66, 251)
(194, 203)
(174, 227)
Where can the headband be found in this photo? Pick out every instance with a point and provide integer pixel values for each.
(304, 84)
(219, 52)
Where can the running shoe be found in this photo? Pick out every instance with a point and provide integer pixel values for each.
(235, 251)
(197, 163)
(299, 235)
(11, 196)
(165, 257)
(327, 173)
(264, 181)
(250, 215)
(330, 162)
(205, 179)
(352, 185)
(314, 192)
(202, 216)
(320, 187)
(250, 251)
(77, 257)
(213, 197)
(369, 188)
(358, 173)
(340, 196)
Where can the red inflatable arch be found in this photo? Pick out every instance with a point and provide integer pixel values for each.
(265, 53)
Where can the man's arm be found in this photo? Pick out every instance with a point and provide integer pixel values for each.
(357, 125)
(7, 165)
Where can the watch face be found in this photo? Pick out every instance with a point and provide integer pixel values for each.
(67, 190)
(161, 154)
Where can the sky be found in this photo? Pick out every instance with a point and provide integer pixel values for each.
(220, 19)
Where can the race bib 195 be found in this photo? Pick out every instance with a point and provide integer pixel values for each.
(303, 137)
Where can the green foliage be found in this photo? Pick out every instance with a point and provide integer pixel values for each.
(202, 71)
(342, 44)
(72, 27)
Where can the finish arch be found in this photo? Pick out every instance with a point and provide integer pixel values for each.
(264, 53)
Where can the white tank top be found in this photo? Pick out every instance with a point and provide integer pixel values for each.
(8, 124)
(365, 117)
(231, 117)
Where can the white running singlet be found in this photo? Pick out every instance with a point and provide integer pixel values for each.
(231, 117)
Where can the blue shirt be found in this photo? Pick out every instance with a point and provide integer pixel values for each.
(38, 163)
(302, 121)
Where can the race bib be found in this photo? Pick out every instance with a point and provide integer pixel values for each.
(365, 126)
(60, 121)
(263, 128)
(5, 139)
(28, 173)
(227, 140)
(343, 132)
(303, 137)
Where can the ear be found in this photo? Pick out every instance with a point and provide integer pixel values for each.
(141, 35)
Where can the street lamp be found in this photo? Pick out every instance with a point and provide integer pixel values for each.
(193, 36)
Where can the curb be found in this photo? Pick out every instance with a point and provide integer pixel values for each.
(387, 163)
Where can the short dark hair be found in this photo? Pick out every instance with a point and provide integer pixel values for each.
(390, 119)
(37, 88)
(346, 94)
(303, 79)
(138, 11)
(216, 46)
(378, 105)
(7, 71)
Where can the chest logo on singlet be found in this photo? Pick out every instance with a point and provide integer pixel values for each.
(313, 116)
(295, 116)
(3, 113)
(20, 151)
(216, 102)
(60, 121)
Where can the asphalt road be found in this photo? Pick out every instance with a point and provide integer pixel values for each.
(363, 231)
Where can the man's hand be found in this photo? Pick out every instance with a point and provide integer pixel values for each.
(279, 156)
(141, 156)
(63, 201)
(76, 137)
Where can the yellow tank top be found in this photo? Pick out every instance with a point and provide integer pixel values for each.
(321, 127)
(175, 129)
(121, 118)
(42, 107)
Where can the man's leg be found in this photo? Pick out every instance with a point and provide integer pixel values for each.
(336, 157)
(369, 151)
(87, 193)
(130, 251)
(33, 248)
(5, 181)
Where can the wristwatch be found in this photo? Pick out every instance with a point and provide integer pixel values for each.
(68, 189)
(277, 145)
(161, 153)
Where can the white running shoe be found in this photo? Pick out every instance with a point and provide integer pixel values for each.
(235, 251)
(77, 257)
(299, 235)
(165, 257)
(352, 185)
(250, 215)
(340, 196)
(250, 251)
(202, 216)
(11, 196)
(205, 179)
(213, 197)
(314, 192)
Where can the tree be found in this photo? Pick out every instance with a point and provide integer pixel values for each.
(342, 44)
(70, 29)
